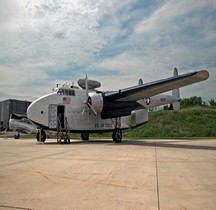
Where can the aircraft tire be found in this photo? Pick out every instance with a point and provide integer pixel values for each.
(85, 136)
(117, 136)
(17, 136)
(43, 136)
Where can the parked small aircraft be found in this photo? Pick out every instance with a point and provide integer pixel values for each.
(87, 110)
(22, 124)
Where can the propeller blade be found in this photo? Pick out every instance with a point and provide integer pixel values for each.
(87, 101)
(83, 111)
(86, 87)
(92, 108)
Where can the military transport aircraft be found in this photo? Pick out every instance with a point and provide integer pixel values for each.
(87, 110)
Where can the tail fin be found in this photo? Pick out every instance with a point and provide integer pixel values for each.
(140, 82)
(176, 93)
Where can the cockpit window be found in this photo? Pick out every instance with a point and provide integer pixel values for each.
(71, 92)
(67, 92)
(24, 120)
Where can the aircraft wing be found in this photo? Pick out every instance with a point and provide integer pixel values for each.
(147, 90)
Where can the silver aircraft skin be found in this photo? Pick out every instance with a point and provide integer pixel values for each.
(22, 125)
(87, 110)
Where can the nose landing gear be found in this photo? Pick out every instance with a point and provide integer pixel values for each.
(41, 136)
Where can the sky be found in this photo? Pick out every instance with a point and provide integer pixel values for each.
(49, 42)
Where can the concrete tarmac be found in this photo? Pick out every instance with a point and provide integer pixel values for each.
(99, 174)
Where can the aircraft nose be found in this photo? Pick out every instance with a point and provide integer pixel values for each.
(31, 111)
(38, 110)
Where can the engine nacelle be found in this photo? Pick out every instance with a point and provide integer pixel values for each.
(96, 101)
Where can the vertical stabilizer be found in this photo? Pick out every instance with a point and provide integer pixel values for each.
(175, 72)
(176, 93)
(140, 82)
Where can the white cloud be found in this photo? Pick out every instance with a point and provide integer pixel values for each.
(43, 31)
(19, 82)
(171, 11)
(171, 36)
(121, 63)
(40, 39)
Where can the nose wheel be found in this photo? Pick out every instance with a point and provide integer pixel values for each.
(41, 136)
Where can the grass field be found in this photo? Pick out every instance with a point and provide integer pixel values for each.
(189, 122)
(194, 122)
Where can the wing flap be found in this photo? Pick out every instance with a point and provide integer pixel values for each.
(147, 90)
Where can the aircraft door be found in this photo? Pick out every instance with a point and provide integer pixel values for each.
(60, 114)
(52, 117)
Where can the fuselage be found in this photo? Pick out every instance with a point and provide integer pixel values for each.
(67, 107)
(23, 125)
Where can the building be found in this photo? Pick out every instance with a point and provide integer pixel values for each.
(11, 106)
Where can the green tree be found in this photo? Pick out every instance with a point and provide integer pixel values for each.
(212, 102)
(192, 101)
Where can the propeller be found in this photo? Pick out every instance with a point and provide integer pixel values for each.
(88, 100)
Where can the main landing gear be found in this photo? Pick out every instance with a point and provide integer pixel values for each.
(116, 136)
(85, 136)
(117, 133)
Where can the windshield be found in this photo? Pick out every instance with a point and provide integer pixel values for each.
(25, 120)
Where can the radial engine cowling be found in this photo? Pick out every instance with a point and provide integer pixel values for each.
(96, 101)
